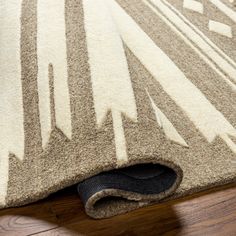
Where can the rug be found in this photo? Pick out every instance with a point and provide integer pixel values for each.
(133, 100)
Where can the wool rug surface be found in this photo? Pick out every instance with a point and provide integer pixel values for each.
(135, 100)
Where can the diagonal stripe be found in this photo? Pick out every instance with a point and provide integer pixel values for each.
(208, 120)
(225, 9)
(205, 48)
(11, 104)
(199, 32)
(52, 49)
(168, 128)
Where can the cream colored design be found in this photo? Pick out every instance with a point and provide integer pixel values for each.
(193, 5)
(209, 52)
(112, 89)
(11, 103)
(208, 120)
(52, 49)
(214, 26)
(4, 166)
(167, 126)
(220, 28)
(225, 9)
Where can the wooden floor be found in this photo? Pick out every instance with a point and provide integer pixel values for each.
(208, 213)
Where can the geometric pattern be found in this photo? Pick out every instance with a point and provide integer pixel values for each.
(84, 83)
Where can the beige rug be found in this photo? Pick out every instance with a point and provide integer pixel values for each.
(92, 85)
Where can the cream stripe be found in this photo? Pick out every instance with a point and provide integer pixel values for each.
(112, 89)
(220, 28)
(4, 166)
(225, 9)
(193, 5)
(192, 35)
(119, 133)
(167, 126)
(52, 49)
(200, 111)
(200, 33)
(11, 104)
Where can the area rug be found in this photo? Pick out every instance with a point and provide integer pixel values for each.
(133, 100)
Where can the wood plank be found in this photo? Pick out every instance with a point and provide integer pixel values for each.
(212, 212)
(27, 220)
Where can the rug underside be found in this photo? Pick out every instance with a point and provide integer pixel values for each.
(138, 184)
(135, 100)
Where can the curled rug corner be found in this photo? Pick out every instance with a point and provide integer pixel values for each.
(121, 190)
(89, 85)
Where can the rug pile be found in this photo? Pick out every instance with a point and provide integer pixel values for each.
(133, 99)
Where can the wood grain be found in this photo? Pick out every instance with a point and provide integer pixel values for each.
(212, 212)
